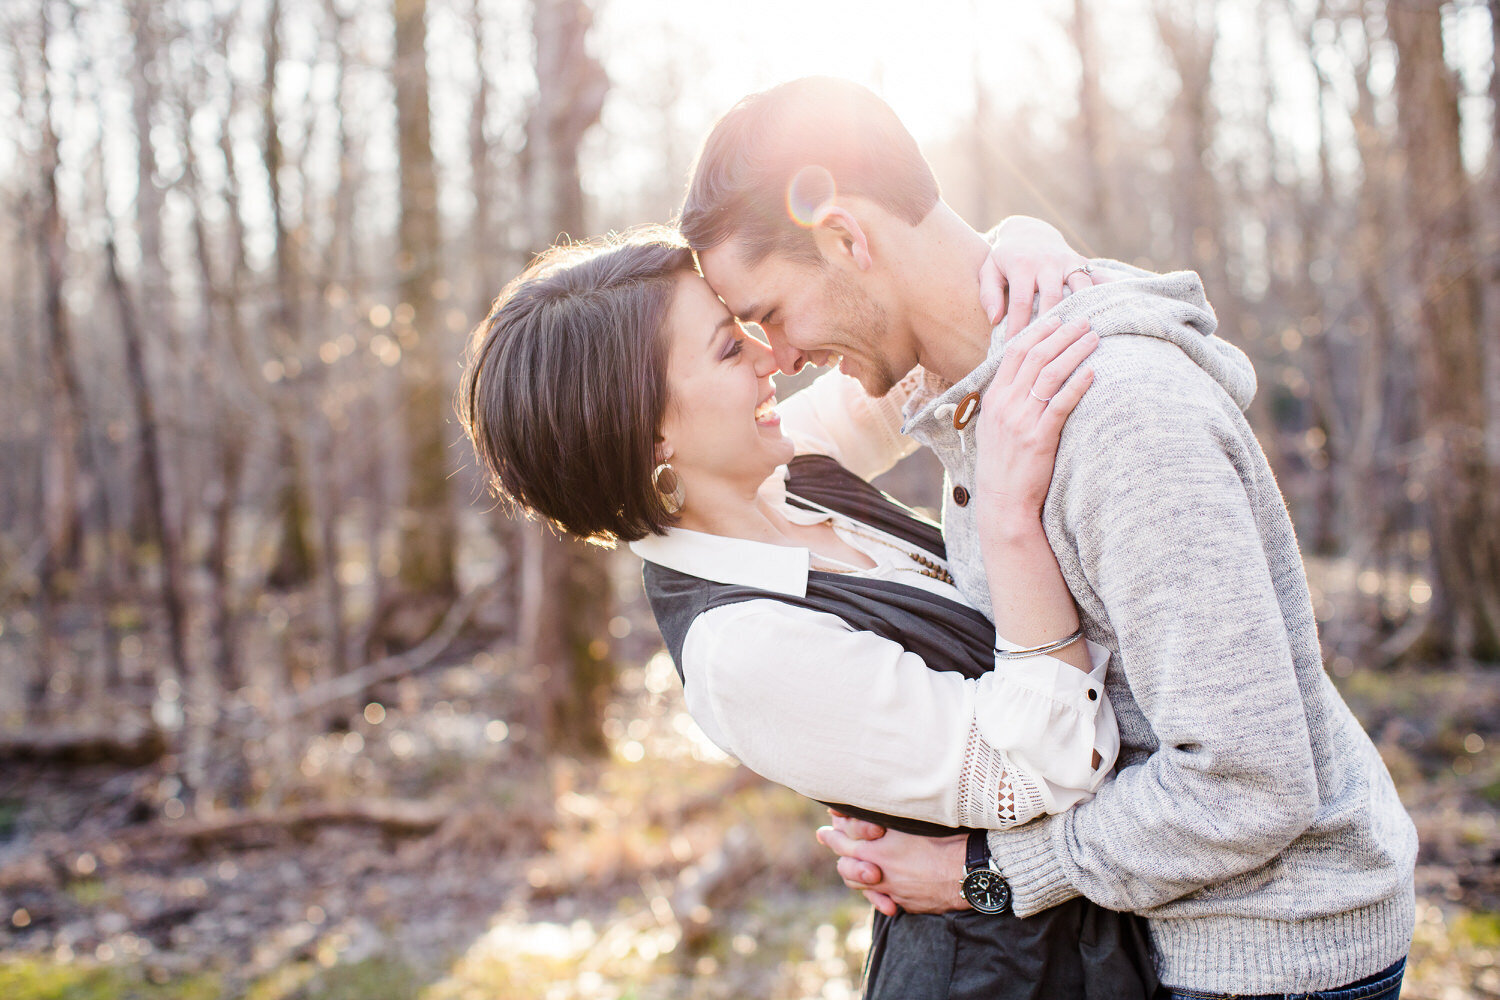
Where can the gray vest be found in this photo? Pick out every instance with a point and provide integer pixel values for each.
(946, 634)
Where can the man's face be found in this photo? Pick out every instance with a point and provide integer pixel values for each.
(810, 313)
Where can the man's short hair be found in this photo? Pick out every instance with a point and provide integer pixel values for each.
(740, 183)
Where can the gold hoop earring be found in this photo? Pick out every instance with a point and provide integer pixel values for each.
(669, 487)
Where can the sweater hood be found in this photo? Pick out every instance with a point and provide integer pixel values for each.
(1170, 307)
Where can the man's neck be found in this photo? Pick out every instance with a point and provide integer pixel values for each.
(939, 262)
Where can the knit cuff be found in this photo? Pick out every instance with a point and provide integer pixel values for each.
(1031, 865)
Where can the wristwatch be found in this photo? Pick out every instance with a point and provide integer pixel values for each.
(983, 886)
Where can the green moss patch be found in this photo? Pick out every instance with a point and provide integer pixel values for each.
(28, 979)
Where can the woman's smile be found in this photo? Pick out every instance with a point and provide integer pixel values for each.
(765, 413)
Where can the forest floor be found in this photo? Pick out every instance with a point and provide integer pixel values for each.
(662, 872)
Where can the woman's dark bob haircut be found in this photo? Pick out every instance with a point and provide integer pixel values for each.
(566, 384)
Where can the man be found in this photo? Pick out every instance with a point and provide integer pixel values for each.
(1251, 820)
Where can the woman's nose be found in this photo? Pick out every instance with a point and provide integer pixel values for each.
(765, 360)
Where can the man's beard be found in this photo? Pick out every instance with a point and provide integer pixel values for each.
(864, 326)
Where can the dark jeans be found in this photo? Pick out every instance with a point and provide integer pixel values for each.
(1384, 985)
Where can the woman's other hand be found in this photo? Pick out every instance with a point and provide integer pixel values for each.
(1021, 417)
(893, 869)
(1030, 259)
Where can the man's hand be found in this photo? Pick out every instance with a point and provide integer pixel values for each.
(1030, 259)
(918, 874)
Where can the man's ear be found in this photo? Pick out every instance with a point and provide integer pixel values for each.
(840, 237)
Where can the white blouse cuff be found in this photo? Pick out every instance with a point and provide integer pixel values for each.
(1057, 679)
(1044, 714)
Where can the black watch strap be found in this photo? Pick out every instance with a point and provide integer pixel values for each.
(979, 851)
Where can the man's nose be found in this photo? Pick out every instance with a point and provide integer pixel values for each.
(788, 358)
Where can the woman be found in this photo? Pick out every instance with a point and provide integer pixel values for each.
(611, 392)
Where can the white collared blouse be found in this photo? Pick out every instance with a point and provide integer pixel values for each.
(845, 716)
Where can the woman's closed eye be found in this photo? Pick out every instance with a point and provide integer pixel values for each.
(733, 348)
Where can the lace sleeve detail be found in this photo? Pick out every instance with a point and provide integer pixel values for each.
(993, 794)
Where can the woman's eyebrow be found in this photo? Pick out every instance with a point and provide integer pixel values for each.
(721, 324)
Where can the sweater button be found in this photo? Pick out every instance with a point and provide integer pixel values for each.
(960, 496)
(967, 407)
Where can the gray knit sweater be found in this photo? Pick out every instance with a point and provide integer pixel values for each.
(1251, 819)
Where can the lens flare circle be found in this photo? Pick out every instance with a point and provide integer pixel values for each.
(810, 191)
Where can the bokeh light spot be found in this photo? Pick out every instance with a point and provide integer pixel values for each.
(808, 194)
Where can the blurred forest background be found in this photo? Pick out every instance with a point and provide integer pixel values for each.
(290, 709)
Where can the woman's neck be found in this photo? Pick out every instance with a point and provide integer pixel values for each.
(733, 511)
(738, 513)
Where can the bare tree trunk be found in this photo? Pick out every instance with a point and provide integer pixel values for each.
(65, 398)
(164, 512)
(1190, 34)
(565, 591)
(210, 679)
(1093, 116)
(23, 495)
(486, 264)
(326, 466)
(979, 140)
(1489, 256)
(428, 525)
(147, 71)
(107, 556)
(227, 404)
(58, 452)
(241, 387)
(294, 564)
(1465, 553)
(1316, 217)
(1190, 37)
(571, 89)
(483, 253)
(1371, 506)
(224, 499)
(153, 463)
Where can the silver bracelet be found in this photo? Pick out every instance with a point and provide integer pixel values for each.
(1051, 647)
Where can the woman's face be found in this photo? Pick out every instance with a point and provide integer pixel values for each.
(721, 423)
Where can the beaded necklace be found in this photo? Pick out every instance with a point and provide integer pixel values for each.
(926, 566)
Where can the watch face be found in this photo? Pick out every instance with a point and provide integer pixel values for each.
(987, 891)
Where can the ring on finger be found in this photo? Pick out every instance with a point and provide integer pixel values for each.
(1040, 399)
(1085, 268)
